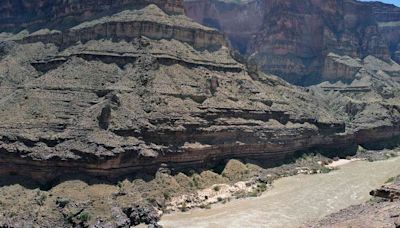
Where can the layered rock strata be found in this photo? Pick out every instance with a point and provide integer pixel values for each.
(150, 21)
(27, 14)
(368, 101)
(293, 39)
(109, 100)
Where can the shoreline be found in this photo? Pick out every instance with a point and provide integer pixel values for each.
(221, 193)
(217, 214)
(342, 162)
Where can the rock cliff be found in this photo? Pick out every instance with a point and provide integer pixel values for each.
(16, 15)
(293, 38)
(135, 89)
(128, 91)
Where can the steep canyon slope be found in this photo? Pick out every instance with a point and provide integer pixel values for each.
(130, 91)
(111, 90)
(292, 39)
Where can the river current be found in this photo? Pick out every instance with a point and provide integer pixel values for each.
(294, 200)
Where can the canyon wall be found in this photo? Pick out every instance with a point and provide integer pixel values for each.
(292, 38)
(144, 88)
(16, 15)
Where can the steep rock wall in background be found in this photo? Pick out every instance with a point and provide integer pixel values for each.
(292, 38)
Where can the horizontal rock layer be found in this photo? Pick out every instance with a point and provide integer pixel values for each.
(151, 22)
(293, 38)
(135, 89)
(19, 14)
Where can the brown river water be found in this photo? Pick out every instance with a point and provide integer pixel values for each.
(295, 200)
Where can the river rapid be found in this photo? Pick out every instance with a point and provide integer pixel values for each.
(294, 200)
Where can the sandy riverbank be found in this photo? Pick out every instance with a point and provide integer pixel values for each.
(294, 200)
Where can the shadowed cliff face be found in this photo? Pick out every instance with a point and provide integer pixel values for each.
(31, 14)
(292, 38)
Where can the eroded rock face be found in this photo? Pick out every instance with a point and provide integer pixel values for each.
(293, 38)
(112, 103)
(108, 99)
(18, 14)
(151, 21)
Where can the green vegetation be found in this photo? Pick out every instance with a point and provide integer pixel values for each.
(84, 216)
(390, 180)
(325, 169)
(261, 187)
(167, 195)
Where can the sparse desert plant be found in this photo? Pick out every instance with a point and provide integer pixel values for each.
(84, 216)
(390, 180)
(167, 195)
(261, 187)
(325, 169)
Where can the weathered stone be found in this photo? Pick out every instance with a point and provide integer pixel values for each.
(293, 39)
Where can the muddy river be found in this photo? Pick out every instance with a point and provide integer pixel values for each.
(295, 200)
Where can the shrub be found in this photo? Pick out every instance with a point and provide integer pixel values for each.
(325, 169)
(84, 216)
(262, 187)
(390, 180)
(167, 195)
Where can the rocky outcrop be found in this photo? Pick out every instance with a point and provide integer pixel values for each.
(366, 102)
(150, 21)
(381, 211)
(389, 192)
(345, 69)
(293, 39)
